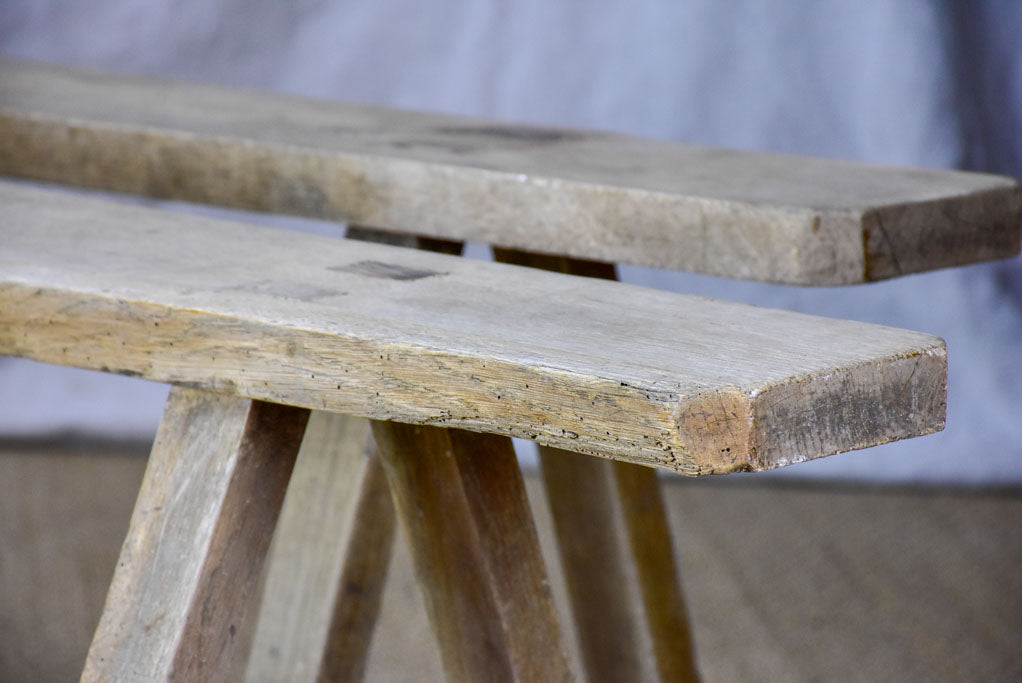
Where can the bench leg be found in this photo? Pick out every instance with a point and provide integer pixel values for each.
(461, 501)
(583, 505)
(321, 600)
(190, 565)
(329, 559)
(649, 538)
(611, 525)
(612, 533)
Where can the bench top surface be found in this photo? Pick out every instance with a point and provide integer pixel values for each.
(579, 193)
(687, 383)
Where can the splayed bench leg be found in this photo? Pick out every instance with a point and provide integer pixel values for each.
(615, 546)
(189, 569)
(329, 559)
(461, 501)
(322, 597)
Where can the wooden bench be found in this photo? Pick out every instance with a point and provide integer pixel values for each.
(273, 339)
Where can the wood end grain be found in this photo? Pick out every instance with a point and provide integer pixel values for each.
(816, 415)
(901, 239)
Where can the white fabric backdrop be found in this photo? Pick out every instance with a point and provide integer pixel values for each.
(912, 82)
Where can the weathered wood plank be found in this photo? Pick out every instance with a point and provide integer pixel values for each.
(687, 383)
(578, 193)
(320, 602)
(329, 558)
(615, 547)
(191, 562)
(461, 501)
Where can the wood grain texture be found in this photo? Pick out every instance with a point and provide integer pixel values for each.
(191, 562)
(364, 574)
(578, 193)
(319, 606)
(615, 548)
(596, 562)
(461, 501)
(686, 383)
(663, 606)
(328, 561)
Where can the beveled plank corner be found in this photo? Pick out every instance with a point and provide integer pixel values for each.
(685, 383)
(583, 194)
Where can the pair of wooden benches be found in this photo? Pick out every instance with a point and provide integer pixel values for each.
(279, 345)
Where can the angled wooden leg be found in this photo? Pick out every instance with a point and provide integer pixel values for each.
(461, 501)
(611, 525)
(321, 598)
(645, 517)
(328, 562)
(583, 506)
(191, 561)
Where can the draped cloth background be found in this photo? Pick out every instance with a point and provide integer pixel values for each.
(910, 82)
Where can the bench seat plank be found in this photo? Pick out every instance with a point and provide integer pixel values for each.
(686, 383)
(589, 195)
